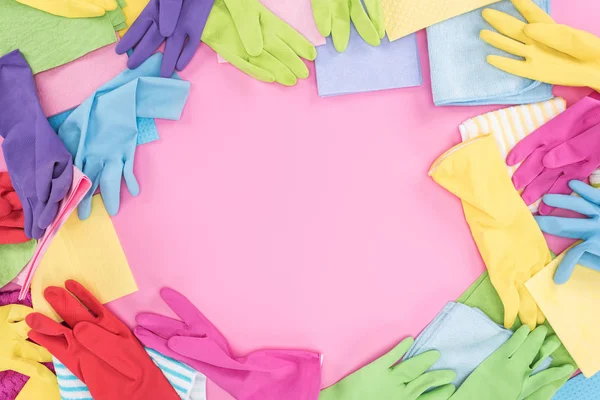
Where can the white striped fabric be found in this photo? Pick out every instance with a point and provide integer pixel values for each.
(509, 125)
(187, 382)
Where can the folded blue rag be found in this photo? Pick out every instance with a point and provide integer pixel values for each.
(460, 74)
(580, 388)
(364, 68)
(465, 337)
(146, 126)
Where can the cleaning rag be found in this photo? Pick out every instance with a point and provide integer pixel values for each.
(460, 74)
(580, 388)
(364, 68)
(12, 219)
(180, 376)
(14, 257)
(465, 337)
(48, 41)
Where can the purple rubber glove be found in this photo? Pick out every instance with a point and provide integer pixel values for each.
(565, 148)
(39, 165)
(178, 22)
(195, 341)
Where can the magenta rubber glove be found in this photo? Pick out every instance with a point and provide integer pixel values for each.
(261, 375)
(565, 148)
(39, 165)
(179, 23)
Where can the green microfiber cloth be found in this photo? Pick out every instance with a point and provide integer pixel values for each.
(13, 257)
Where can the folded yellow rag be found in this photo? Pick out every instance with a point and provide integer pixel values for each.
(89, 252)
(572, 310)
(508, 238)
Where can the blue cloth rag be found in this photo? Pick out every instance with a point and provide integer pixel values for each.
(364, 68)
(580, 388)
(460, 74)
(465, 337)
(146, 127)
(187, 382)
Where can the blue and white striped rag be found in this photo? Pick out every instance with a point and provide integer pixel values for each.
(187, 382)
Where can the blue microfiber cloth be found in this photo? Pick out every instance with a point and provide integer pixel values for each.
(460, 74)
(146, 127)
(580, 388)
(465, 337)
(364, 68)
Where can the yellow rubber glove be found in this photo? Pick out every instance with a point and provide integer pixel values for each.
(18, 354)
(508, 238)
(73, 8)
(553, 53)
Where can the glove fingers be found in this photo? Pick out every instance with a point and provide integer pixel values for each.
(188, 52)
(322, 14)
(441, 393)
(282, 74)
(550, 345)
(207, 351)
(92, 169)
(510, 299)
(590, 259)
(50, 334)
(147, 45)
(160, 325)
(184, 309)
(134, 34)
(573, 203)
(512, 66)
(67, 306)
(427, 381)
(504, 43)
(87, 299)
(169, 11)
(572, 228)
(298, 43)
(532, 12)
(512, 345)
(173, 46)
(47, 215)
(243, 65)
(391, 358)
(586, 191)
(287, 57)
(561, 186)
(247, 24)
(506, 24)
(545, 378)
(573, 151)
(531, 167)
(579, 44)
(110, 186)
(541, 185)
(28, 368)
(340, 26)
(375, 10)
(411, 369)
(363, 24)
(530, 347)
(528, 309)
(570, 260)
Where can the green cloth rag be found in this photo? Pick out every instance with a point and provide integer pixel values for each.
(47, 41)
(482, 295)
(13, 257)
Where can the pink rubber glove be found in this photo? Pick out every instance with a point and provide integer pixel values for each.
(195, 341)
(565, 148)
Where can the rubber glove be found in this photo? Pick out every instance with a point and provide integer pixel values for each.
(101, 134)
(12, 220)
(179, 22)
(276, 57)
(563, 149)
(272, 374)
(509, 241)
(555, 54)
(387, 379)
(98, 348)
(39, 165)
(506, 374)
(586, 229)
(333, 18)
(73, 8)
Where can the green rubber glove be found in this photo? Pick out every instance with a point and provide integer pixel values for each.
(257, 42)
(386, 379)
(506, 374)
(333, 18)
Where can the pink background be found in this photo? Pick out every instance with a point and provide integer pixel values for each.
(297, 221)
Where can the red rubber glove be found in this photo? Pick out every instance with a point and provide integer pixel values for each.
(97, 347)
(12, 219)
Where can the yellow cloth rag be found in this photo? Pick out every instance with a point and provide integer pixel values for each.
(572, 310)
(132, 10)
(403, 17)
(508, 238)
(89, 252)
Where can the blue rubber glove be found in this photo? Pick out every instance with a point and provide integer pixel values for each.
(101, 134)
(586, 229)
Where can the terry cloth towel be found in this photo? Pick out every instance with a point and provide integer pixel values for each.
(364, 68)
(510, 125)
(465, 337)
(183, 379)
(572, 310)
(460, 74)
(580, 388)
(47, 41)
